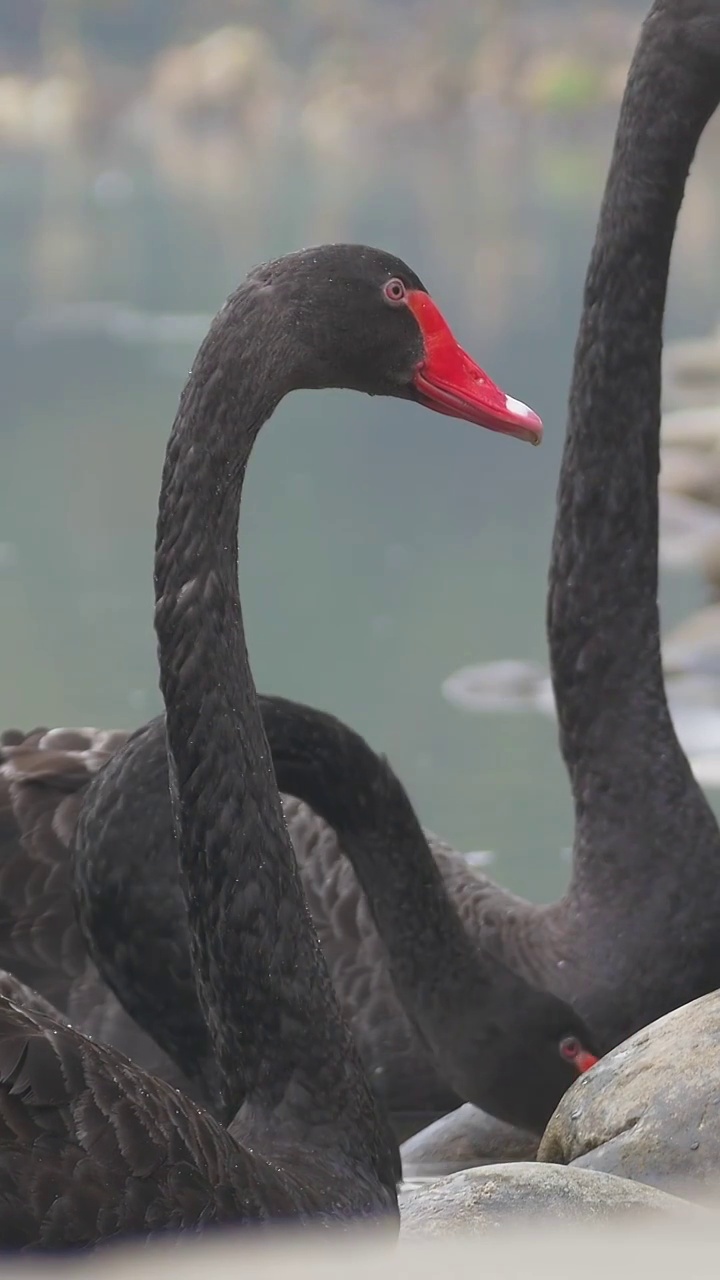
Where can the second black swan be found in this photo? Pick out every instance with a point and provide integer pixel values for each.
(638, 931)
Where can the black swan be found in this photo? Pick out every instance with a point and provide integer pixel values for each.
(531, 1067)
(131, 891)
(90, 1145)
(637, 932)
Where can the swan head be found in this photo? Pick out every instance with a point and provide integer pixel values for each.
(360, 318)
(575, 1052)
(525, 1052)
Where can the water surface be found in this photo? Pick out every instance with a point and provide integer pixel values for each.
(381, 547)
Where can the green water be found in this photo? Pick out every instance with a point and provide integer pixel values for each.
(381, 546)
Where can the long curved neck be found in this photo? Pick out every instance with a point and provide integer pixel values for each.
(281, 1045)
(446, 983)
(632, 784)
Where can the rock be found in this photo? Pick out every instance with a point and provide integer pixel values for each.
(706, 769)
(47, 111)
(650, 1110)
(693, 472)
(698, 727)
(695, 428)
(463, 1139)
(694, 645)
(480, 1200)
(505, 685)
(688, 528)
(691, 372)
(216, 78)
(709, 564)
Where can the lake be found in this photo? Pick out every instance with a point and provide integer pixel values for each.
(382, 547)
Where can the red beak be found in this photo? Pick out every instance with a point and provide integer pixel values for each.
(585, 1060)
(449, 381)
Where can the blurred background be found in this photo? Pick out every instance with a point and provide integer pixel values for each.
(150, 153)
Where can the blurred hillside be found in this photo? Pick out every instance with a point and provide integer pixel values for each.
(137, 30)
(88, 69)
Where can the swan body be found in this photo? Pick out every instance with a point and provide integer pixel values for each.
(91, 1146)
(636, 934)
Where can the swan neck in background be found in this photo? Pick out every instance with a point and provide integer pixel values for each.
(616, 734)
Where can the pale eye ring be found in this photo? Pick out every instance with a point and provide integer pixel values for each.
(394, 292)
(569, 1048)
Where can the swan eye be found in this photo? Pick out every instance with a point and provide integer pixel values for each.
(569, 1048)
(394, 292)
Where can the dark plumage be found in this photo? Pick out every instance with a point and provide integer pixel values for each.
(636, 933)
(42, 786)
(511, 1032)
(90, 1145)
(134, 921)
(92, 1148)
(132, 905)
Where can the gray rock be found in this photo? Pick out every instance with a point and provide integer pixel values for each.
(694, 645)
(694, 472)
(697, 428)
(480, 1200)
(463, 1139)
(650, 1110)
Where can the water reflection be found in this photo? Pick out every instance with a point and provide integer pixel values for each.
(381, 547)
